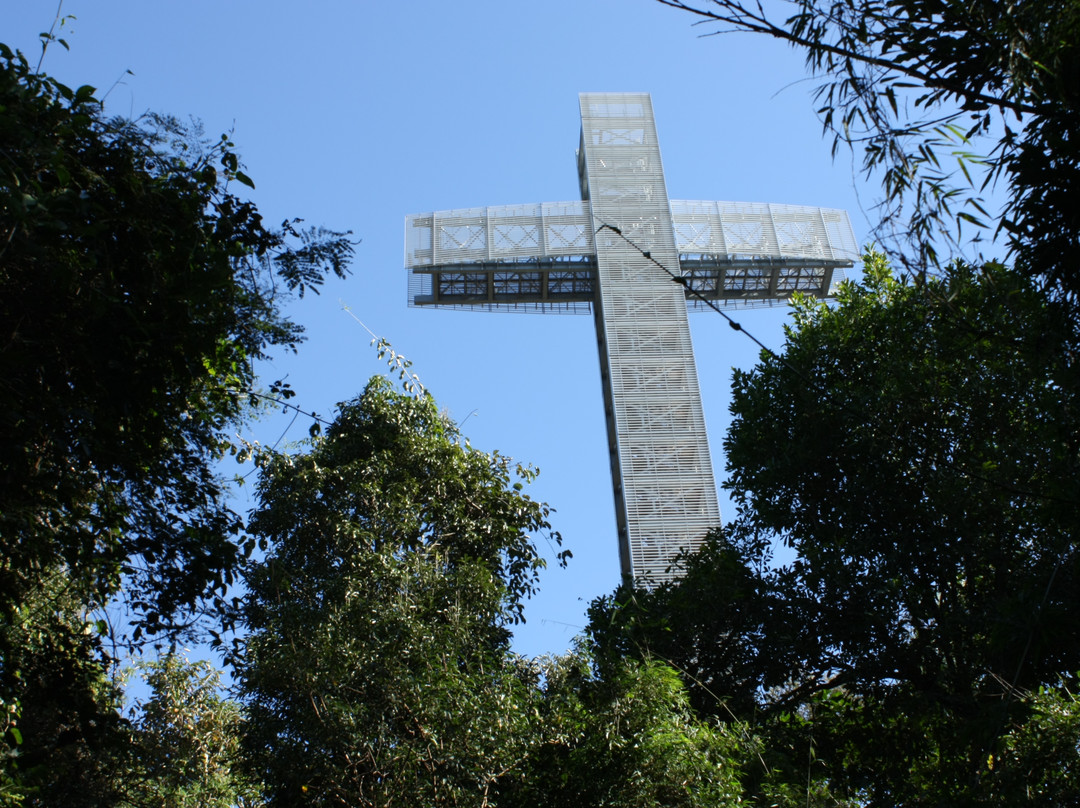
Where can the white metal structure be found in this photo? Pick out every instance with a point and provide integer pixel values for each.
(617, 253)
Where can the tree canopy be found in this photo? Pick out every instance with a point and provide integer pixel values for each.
(627, 736)
(376, 668)
(137, 290)
(184, 741)
(914, 446)
(945, 99)
(888, 620)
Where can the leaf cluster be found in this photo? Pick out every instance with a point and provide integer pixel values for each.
(913, 454)
(63, 738)
(944, 100)
(377, 666)
(627, 737)
(184, 741)
(136, 291)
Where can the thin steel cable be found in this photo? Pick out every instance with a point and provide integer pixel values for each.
(814, 384)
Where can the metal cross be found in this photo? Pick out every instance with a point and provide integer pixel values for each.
(618, 253)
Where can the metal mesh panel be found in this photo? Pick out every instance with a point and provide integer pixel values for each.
(508, 258)
(665, 493)
(614, 254)
(541, 257)
(564, 285)
(756, 230)
(753, 254)
(508, 232)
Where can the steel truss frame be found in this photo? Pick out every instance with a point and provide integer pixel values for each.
(616, 253)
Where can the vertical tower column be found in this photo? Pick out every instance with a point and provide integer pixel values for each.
(665, 492)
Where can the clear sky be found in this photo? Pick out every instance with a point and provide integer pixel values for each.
(354, 113)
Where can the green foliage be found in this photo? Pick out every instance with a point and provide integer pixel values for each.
(185, 741)
(923, 462)
(64, 738)
(915, 447)
(712, 623)
(136, 290)
(377, 668)
(943, 99)
(1039, 758)
(627, 739)
(378, 671)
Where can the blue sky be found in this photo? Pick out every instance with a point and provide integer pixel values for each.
(354, 114)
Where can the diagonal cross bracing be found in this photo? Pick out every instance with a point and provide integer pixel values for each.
(643, 333)
(608, 254)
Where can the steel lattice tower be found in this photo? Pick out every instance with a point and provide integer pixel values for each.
(618, 253)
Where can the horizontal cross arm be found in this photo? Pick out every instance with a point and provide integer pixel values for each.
(753, 254)
(549, 230)
(512, 258)
(733, 231)
(754, 231)
(564, 285)
(542, 257)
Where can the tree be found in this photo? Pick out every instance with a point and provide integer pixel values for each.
(916, 447)
(377, 669)
(730, 631)
(945, 98)
(63, 736)
(925, 474)
(627, 738)
(136, 292)
(722, 650)
(1041, 758)
(185, 740)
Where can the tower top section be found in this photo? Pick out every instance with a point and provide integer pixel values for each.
(635, 259)
(542, 256)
